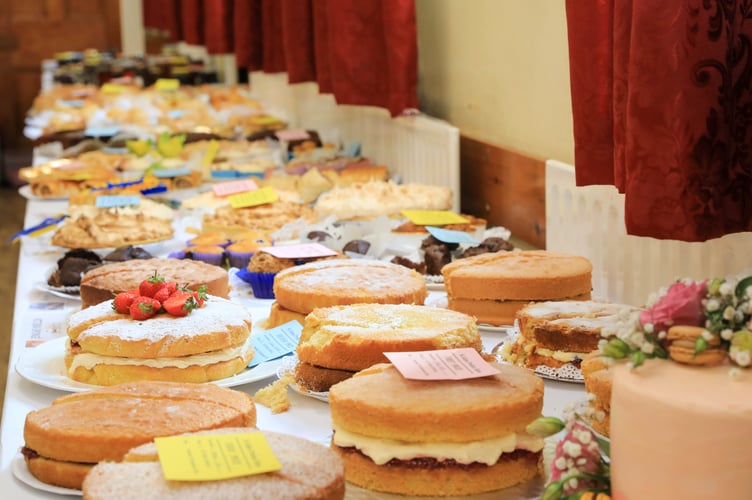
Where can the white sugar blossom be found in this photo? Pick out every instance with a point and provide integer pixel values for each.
(726, 333)
(740, 356)
(726, 289)
(735, 373)
(712, 305)
(729, 313)
(647, 348)
(707, 335)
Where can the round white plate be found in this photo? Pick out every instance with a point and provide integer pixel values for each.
(57, 292)
(25, 191)
(21, 472)
(45, 365)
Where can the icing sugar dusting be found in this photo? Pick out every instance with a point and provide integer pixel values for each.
(216, 316)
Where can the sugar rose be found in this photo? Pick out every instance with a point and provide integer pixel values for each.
(681, 305)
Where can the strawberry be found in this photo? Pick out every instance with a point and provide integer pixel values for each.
(200, 295)
(122, 302)
(151, 285)
(144, 308)
(168, 288)
(180, 304)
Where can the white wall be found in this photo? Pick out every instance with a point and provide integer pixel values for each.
(498, 70)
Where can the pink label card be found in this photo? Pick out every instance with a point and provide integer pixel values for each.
(234, 187)
(292, 135)
(304, 250)
(442, 364)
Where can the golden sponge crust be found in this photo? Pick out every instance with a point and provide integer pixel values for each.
(334, 282)
(525, 275)
(64, 439)
(431, 411)
(356, 336)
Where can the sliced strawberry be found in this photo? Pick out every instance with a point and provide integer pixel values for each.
(180, 304)
(151, 285)
(162, 294)
(144, 308)
(122, 302)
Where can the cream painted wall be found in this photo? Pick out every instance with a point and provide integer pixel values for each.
(498, 70)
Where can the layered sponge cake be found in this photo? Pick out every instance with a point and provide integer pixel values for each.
(65, 440)
(300, 289)
(439, 437)
(106, 347)
(338, 341)
(494, 286)
(554, 333)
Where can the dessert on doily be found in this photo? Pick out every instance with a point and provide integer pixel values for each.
(680, 387)
(554, 337)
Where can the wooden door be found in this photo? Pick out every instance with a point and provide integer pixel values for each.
(34, 30)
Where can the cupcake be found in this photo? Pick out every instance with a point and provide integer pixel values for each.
(260, 273)
(211, 254)
(209, 238)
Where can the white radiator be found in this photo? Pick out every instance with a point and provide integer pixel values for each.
(417, 148)
(589, 221)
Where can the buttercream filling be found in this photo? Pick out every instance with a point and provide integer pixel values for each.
(485, 451)
(89, 360)
(563, 356)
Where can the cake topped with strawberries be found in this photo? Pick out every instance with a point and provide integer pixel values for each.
(160, 331)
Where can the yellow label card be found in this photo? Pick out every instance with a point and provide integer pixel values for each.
(167, 84)
(215, 457)
(266, 194)
(111, 88)
(433, 217)
(210, 153)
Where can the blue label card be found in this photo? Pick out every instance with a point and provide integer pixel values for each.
(101, 131)
(275, 343)
(117, 201)
(352, 149)
(163, 173)
(72, 103)
(450, 236)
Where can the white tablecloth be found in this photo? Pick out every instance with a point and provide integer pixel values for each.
(35, 315)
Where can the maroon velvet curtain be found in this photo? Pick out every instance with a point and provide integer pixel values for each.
(662, 107)
(362, 51)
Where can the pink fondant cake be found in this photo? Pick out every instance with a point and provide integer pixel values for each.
(681, 431)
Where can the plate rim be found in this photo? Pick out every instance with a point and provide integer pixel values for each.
(267, 369)
(21, 472)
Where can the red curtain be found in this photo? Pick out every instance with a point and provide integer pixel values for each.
(362, 51)
(662, 107)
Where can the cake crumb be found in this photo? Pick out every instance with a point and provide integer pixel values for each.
(274, 396)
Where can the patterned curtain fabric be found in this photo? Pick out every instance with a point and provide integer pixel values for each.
(662, 106)
(362, 51)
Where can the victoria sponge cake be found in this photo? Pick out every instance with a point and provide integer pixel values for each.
(65, 440)
(338, 341)
(309, 471)
(439, 437)
(102, 283)
(299, 290)
(106, 347)
(494, 286)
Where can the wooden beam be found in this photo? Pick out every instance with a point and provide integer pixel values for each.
(505, 187)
